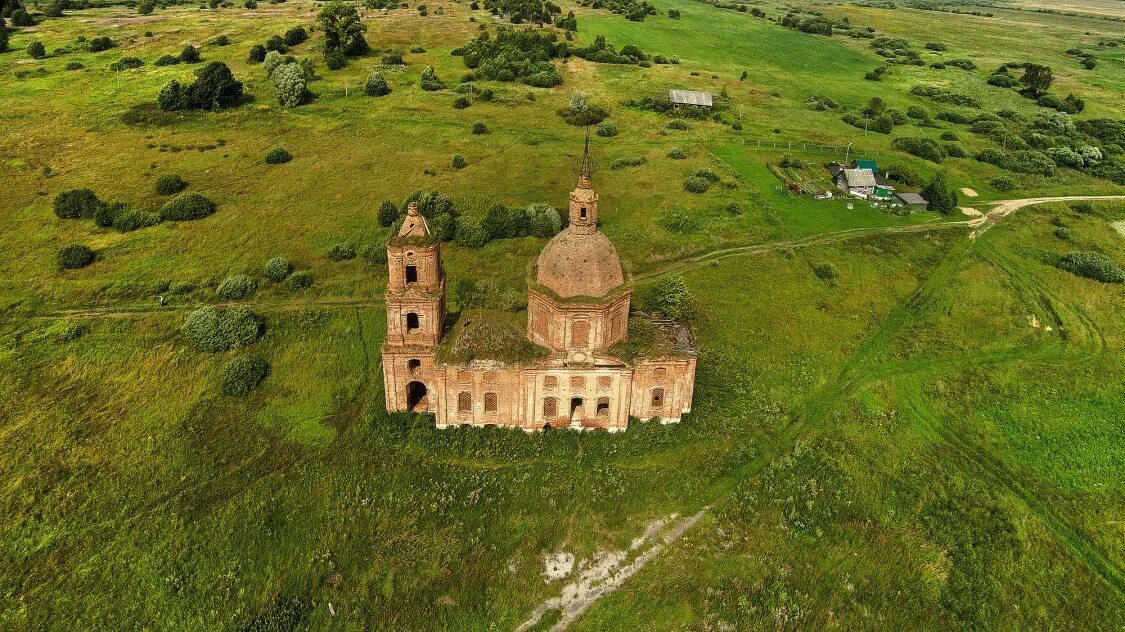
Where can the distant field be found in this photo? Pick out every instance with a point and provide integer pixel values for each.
(927, 438)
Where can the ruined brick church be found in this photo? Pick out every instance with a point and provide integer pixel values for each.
(586, 369)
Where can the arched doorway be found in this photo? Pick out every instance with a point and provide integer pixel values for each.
(577, 410)
(416, 400)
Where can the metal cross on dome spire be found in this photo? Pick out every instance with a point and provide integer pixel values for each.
(586, 165)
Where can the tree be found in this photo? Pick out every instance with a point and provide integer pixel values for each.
(580, 113)
(215, 88)
(342, 29)
(3, 37)
(189, 55)
(76, 204)
(289, 85)
(145, 7)
(376, 86)
(940, 195)
(1037, 78)
(875, 107)
(37, 50)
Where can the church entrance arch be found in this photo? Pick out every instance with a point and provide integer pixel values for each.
(416, 400)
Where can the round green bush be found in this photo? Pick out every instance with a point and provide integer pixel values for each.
(186, 207)
(707, 174)
(949, 136)
(376, 86)
(375, 253)
(74, 256)
(278, 156)
(213, 329)
(257, 54)
(826, 271)
(341, 252)
(676, 153)
(74, 65)
(480, 128)
(300, 279)
(36, 50)
(1092, 265)
(278, 268)
(459, 161)
(1064, 233)
(606, 128)
(76, 204)
(127, 219)
(1003, 184)
(189, 55)
(242, 375)
(169, 184)
(236, 286)
(695, 184)
(166, 60)
(678, 124)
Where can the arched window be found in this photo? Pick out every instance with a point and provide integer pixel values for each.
(411, 274)
(658, 398)
(490, 402)
(464, 402)
(550, 407)
(580, 334)
(412, 323)
(603, 407)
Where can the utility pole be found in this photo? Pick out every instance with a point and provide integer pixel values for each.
(345, 88)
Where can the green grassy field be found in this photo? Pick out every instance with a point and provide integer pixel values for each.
(931, 441)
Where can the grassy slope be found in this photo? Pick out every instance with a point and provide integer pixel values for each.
(134, 493)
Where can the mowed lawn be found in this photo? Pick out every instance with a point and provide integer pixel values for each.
(904, 445)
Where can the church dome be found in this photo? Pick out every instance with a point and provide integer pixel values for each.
(579, 264)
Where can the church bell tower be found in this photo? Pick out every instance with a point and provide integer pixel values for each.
(415, 300)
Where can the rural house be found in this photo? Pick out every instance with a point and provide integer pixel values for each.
(912, 201)
(681, 98)
(857, 182)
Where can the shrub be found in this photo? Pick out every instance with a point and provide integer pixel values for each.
(145, 7)
(126, 63)
(543, 220)
(632, 161)
(166, 60)
(920, 146)
(76, 204)
(375, 253)
(668, 297)
(74, 65)
(460, 103)
(678, 124)
(677, 153)
(221, 40)
(1092, 265)
(278, 156)
(300, 279)
(607, 129)
(36, 50)
(169, 184)
(470, 233)
(273, 61)
(335, 59)
(186, 207)
(1064, 233)
(949, 136)
(1003, 184)
(74, 331)
(376, 86)
(941, 196)
(20, 17)
(954, 150)
(242, 375)
(388, 213)
(289, 85)
(487, 94)
(459, 161)
(917, 112)
(695, 184)
(278, 269)
(236, 286)
(429, 80)
(707, 174)
(189, 55)
(257, 54)
(127, 219)
(73, 256)
(213, 329)
(826, 271)
(214, 88)
(393, 58)
(480, 128)
(1083, 207)
(296, 35)
(341, 252)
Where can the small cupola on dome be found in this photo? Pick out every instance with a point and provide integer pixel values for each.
(414, 225)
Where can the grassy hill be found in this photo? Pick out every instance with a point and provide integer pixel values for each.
(930, 439)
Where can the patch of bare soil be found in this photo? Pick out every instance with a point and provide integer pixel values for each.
(606, 571)
(1120, 227)
(967, 192)
(971, 212)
